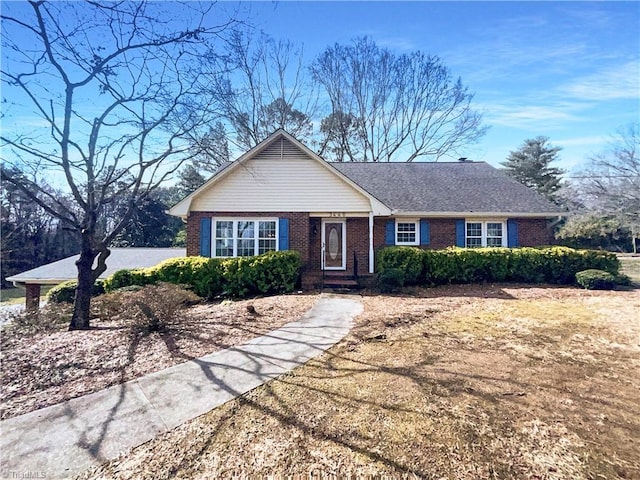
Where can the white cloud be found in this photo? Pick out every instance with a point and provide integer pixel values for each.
(531, 117)
(617, 82)
(591, 140)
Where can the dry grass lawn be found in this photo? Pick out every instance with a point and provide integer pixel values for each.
(44, 364)
(461, 382)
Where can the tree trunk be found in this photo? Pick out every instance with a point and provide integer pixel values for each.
(82, 302)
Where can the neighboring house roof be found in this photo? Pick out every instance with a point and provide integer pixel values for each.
(419, 188)
(120, 258)
(447, 188)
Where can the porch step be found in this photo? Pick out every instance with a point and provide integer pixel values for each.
(340, 281)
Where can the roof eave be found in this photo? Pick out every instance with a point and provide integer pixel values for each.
(36, 281)
(478, 214)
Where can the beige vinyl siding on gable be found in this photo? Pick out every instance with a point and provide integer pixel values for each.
(281, 178)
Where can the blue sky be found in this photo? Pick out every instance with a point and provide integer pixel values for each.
(566, 70)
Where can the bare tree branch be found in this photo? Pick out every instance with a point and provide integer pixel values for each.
(395, 107)
(117, 89)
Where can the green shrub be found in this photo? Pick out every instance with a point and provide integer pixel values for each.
(593, 279)
(127, 278)
(65, 292)
(472, 265)
(272, 272)
(526, 265)
(408, 259)
(391, 279)
(202, 274)
(562, 263)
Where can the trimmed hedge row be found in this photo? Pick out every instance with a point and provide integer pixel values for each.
(272, 272)
(471, 265)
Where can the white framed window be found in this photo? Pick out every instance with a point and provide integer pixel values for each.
(244, 237)
(407, 232)
(485, 233)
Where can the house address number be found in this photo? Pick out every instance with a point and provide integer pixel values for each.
(337, 214)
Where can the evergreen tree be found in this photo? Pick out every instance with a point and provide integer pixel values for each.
(530, 165)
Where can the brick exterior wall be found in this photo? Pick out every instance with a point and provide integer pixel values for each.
(532, 232)
(358, 241)
(535, 232)
(315, 244)
(442, 233)
(305, 236)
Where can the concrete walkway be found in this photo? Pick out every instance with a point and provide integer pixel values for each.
(65, 439)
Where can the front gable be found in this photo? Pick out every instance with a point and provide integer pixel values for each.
(280, 175)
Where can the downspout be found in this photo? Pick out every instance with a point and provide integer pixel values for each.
(556, 221)
(371, 259)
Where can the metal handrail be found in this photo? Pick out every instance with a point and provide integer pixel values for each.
(322, 264)
(355, 266)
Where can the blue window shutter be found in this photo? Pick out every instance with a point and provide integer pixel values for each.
(283, 234)
(460, 233)
(205, 237)
(390, 233)
(425, 232)
(512, 233)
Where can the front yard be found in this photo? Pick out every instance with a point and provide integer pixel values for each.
(44, 364)
(460, 382)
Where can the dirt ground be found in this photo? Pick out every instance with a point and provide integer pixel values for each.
(46, 367)
(463, 382)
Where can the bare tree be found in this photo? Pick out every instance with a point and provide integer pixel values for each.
(610, 185)
(406, 106)
(113, 88)
(211, 148)
(341, 137)
(30, 235)
(262, 86)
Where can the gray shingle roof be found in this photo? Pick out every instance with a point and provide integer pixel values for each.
(120, 258)
(458, 187)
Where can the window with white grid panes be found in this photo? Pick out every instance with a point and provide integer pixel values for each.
(244, 237)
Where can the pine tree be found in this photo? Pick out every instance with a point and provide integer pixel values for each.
(530, 165)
